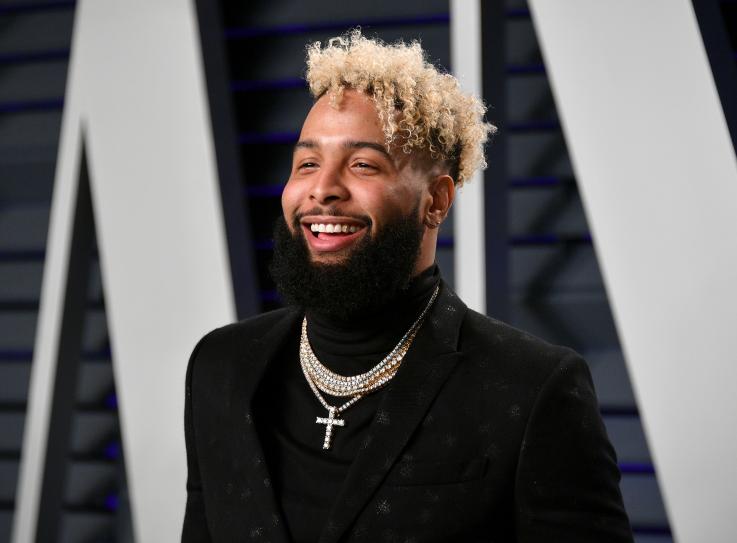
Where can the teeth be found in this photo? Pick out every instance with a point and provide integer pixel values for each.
(333, 228)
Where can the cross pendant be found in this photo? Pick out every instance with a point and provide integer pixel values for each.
(329, 421)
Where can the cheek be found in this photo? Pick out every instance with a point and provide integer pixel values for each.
(289, 200)
(390, 205)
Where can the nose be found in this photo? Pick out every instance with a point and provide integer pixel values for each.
(328, 186)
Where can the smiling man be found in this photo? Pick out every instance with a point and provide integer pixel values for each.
(377, 406)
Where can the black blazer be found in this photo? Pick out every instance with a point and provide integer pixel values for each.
(485, 434)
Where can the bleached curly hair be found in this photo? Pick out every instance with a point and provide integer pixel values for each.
(435, 114)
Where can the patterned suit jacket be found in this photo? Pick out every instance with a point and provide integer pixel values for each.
(485, 434)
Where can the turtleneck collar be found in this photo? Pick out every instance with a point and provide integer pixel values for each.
(355, 345)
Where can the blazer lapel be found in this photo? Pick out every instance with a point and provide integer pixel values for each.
(255, 355)
(407, 398)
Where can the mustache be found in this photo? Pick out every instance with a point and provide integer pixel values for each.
(331, 211)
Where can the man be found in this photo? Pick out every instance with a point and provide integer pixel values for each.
(377, 407)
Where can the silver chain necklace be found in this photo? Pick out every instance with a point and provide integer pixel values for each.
(320, 378)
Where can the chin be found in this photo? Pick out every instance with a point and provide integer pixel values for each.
(334, 258)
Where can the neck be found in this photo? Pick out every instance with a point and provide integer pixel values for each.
(347, 345)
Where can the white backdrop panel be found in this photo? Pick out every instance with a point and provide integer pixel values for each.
(136, 85)
(658, 175)
(469, 249)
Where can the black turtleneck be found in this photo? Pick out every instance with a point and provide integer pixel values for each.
(306, 478)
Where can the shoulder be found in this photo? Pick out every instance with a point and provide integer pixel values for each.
(509, 371)
(256, 325)
(244, 331)
(497, 354)
(490, 333)
(229, 345)
(508, 351)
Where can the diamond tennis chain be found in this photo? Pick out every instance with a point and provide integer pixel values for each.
(320, 378)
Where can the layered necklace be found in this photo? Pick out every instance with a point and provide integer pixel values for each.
(320, 378)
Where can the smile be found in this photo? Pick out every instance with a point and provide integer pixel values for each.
(331, 234)
(333, 228)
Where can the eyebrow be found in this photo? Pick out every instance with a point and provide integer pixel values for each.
(368, 145)
(351, 144)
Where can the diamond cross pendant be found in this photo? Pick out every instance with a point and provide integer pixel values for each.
(329, 421)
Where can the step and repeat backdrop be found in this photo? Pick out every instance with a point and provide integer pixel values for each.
(143, 150)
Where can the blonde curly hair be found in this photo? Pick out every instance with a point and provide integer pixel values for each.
(436, 115)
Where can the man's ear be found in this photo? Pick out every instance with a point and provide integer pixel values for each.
(442, 191)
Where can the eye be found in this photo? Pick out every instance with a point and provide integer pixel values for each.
(364, 166)
(306, 165)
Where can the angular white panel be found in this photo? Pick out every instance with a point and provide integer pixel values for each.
(136, 94)
(658, 174)
(469, 249)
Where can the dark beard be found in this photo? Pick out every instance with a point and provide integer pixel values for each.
(374, 273)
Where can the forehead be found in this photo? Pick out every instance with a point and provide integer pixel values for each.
(353, 117)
